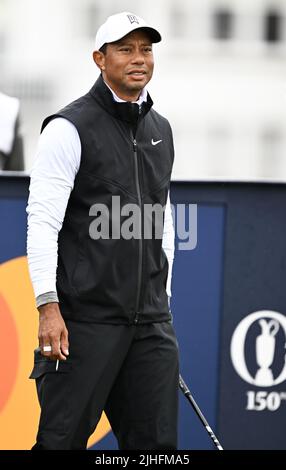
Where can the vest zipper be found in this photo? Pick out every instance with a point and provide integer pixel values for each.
(140, 261)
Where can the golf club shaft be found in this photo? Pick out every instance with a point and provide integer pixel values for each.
(188, 394)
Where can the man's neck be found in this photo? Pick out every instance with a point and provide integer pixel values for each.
(134, 99)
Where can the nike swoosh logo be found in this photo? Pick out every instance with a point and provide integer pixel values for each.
(155, 142)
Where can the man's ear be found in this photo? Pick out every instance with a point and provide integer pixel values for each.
(99, 59)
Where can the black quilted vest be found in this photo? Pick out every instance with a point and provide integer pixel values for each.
(124, 153)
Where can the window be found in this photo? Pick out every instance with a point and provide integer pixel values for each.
(2, 42)
(223, 24)
(92, 20)
(271, 152)
(272, 26)
(219, 141)
(177, 22)
(31, 89)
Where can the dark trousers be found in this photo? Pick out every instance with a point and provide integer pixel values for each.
(130, 372)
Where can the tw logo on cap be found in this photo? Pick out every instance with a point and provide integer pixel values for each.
(133, 19)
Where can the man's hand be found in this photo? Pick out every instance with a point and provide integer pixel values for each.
(53, 332)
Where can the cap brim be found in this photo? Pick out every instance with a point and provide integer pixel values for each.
(154, 34)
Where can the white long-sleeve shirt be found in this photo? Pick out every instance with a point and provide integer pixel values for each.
(52, 178)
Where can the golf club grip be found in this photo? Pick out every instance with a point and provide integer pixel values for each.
(188, 395)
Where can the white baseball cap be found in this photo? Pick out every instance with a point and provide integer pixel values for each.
(119, 25)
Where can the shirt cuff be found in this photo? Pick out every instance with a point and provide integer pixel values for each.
(46, 298)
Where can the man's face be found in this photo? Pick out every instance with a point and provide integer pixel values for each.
(127, 66)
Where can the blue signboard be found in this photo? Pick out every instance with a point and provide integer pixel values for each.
(228, 304)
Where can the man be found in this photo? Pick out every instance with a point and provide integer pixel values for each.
(106, 340)
(11, 142)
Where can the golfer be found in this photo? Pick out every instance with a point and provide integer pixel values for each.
(100, 255)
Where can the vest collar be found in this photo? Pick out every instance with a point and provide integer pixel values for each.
(125, 111)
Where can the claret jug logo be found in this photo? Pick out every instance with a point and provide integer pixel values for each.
(258, 356)
(266, 348)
